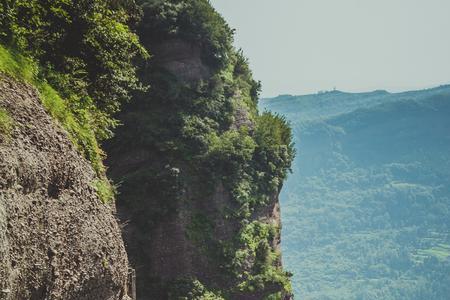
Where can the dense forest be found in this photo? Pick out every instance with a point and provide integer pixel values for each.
(164, 78)
(365, 213)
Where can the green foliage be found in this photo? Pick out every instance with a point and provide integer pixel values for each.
(80, 56)
(210, 131)
(6, 122)
(17, 66)
(85, 49)
(243, 81)
(105, 190)
(191, 289)
(194, 20)
(274, 296)
(229, 151)
(195, 132)
(79, 129)
(81, 62)
(254, 245)
(275, 150)
(252, 164)
(272, 131)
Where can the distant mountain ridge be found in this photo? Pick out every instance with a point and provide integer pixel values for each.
(366, 212)
(331, 102)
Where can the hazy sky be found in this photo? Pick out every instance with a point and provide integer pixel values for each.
(303, 46)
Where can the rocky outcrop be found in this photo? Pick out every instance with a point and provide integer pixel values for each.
(181, 58)
(57, 239)
(180, 224)
(156, 221)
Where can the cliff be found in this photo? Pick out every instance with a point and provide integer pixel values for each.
(199, 168)
(196, 167)
(57, 239)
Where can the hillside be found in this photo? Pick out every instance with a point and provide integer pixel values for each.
(366, 210)
(133, 126)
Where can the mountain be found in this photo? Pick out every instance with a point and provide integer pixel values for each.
(199, 168)
(133, 159)
(366, 211)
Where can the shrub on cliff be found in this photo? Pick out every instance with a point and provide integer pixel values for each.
(275, 150)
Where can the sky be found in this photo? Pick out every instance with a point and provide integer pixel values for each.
(304, 46)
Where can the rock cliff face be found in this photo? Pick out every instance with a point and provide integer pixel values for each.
(197, 168)
(158, 246)
(179, 222)
(57, 239)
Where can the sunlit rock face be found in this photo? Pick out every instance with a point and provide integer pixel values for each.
(57, 239)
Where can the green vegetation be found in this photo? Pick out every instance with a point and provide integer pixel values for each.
(254, 240)
(81, 61)
(86, 60)
(191, 289)
(6, 122)
(81, 134)
(79, 56)
(195, 21)
(17, 66)
(366, 210)
(440, 251)
(105, 190)
(209, 130)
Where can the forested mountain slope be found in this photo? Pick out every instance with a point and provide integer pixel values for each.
(366, 212)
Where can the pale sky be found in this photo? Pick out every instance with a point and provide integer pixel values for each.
(303, 46)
